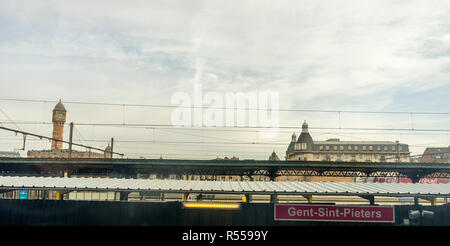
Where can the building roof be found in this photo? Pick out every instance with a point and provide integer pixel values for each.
(305, 137)
(274, 157)
(357, 142)
(229, 187)
(9, 154)
(59, 107)
(436, 150)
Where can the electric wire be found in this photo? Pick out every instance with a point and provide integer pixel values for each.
(236, 108)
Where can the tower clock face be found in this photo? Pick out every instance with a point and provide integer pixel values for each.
(60, 116)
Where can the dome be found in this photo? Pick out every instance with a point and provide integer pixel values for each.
(294, 137)
(59, 107)
(305, 127)
(305, 137)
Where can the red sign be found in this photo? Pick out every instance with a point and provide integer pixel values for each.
(407, 180)
(429, 181)
(335, 213)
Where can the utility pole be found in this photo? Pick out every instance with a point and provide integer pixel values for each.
(112, 147)
(398, 151)
(70, 139)
(398, 159)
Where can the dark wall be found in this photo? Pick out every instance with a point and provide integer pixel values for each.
(104, 213)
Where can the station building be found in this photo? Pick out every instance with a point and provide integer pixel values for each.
(304, 148)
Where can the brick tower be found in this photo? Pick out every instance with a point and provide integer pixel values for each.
(58, 119)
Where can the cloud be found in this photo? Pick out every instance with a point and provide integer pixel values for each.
(341, 55)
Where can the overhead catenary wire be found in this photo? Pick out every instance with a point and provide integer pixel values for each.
(237, 108)
(170, 128)
(243, 127)
(54, 139)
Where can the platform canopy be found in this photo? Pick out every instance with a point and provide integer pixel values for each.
(226, 187)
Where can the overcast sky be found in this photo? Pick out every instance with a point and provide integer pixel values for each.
(321, 55)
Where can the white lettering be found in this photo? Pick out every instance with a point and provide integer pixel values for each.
(181, 116)
(291, 211)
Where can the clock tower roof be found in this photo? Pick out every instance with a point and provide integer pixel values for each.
(59, 107)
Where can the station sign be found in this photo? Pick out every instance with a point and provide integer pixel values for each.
(336, 213)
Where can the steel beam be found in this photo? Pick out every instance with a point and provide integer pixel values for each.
(371, 199)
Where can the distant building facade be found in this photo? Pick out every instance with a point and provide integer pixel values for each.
(64, 153)
(436, 155)
(57, 151)
(304, 148)
(12, 154)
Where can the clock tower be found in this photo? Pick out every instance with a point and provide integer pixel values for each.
(58, 119)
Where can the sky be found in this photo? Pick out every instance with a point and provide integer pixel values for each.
(317, 55)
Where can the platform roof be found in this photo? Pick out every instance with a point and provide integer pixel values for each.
(227, 187)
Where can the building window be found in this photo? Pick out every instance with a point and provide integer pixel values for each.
(364, 147)
(335, 147)
(385, 148)
(304, 146)
(400, 148)
(341, 147)
(349, 147)
(353, 157)
(328, 158)
(339, 157)
(321, 147)
(383, 158)
(393, 148)
(371, 147)
(317, 156)
(368, 158)
(327, 147)
(345, 156)
(356, 147)
(378, 148)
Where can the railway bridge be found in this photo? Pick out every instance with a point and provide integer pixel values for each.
(131, 168)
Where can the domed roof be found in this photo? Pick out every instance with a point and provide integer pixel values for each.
(59, 107)
(294, 137)
(305, 137)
